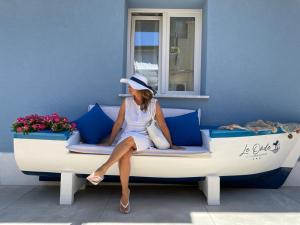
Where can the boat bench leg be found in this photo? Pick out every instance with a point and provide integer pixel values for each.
(211, 189)
(69, 185)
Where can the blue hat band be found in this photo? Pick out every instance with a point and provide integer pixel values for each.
(142, 83)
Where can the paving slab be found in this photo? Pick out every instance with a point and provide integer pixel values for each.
(9, 194)
(42, 205)
(291, 192)
(111, 223)
(255, 206)
(160, 205)
(36, 224)
(157, 205)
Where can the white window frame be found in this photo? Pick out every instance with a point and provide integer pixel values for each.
(130, 65)
(163, 75)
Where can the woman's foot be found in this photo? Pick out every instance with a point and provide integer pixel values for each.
(124, 203)
(95, 177)
(99, 173)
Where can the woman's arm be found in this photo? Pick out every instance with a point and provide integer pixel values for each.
(159, 116)
(117, 125)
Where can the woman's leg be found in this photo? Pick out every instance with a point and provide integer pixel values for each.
(124, 168)
(122, 148)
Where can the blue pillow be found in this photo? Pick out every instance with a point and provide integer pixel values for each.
(94, 125)
(185, 129)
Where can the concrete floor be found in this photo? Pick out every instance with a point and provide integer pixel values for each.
(184, 205)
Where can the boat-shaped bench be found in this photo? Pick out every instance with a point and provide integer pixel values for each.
(236, 158)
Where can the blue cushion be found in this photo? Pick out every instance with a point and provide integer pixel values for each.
(185, 129)
(94, 125)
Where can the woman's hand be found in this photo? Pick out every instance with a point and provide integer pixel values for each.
(175, 147)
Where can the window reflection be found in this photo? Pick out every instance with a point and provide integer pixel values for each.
(181, 54)
(146, 50)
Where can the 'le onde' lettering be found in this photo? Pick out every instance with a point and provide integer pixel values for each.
(260, 149)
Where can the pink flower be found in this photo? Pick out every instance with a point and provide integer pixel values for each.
(35, 122)
(38, 126)
(19, 129)
(48, 118)
(55, 114)
(20, 120)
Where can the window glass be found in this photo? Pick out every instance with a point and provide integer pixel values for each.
(146, 50)
(181, 54)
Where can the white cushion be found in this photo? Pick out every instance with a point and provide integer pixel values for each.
(189, 151)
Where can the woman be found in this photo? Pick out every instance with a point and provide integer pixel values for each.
(136, 110)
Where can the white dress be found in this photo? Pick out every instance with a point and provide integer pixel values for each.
(135, 123)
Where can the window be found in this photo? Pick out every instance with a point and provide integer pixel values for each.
(165, 46)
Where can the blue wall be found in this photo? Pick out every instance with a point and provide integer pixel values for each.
(253, 55)
(60, 56)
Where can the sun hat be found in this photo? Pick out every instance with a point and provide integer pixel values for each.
(139, 82)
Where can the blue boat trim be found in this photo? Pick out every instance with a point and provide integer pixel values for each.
(220, 133)
(44, 176)
(271, 179)
(214, 133)
(44, 135)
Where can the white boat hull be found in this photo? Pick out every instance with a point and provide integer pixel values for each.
(228, 157)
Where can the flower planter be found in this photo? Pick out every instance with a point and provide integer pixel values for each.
(44, 134)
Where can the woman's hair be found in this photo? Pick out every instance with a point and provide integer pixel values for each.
(146, 98)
